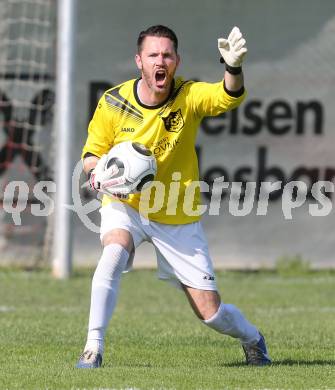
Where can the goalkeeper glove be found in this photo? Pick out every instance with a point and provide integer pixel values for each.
(96, 175)
(100, 179)
(233, 48)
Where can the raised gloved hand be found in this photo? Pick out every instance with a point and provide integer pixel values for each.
(233, 48)
(101, 179)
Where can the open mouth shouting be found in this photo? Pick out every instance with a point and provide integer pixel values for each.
(161, 78)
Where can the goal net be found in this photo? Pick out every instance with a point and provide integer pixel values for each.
(27, 57)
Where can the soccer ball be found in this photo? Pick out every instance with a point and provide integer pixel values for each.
(132, 166)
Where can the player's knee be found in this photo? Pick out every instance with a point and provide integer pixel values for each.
(207, 311)
(206, 314)
(204, 303)
(121, 237)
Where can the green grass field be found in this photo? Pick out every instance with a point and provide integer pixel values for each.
(154, 340)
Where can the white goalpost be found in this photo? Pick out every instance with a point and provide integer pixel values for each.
(64, 125)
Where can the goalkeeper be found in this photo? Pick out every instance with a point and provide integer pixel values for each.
(163, 112)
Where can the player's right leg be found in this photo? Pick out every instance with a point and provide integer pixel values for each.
(119, 236)
(118, 244)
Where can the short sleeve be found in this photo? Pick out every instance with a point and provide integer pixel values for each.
(211, 99)
(100, 131)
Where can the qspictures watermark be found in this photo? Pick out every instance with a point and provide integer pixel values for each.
(243, 198)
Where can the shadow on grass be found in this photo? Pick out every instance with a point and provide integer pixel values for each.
(288, 362)
(293, 362)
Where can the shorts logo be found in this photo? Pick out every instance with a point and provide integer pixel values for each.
(209, 277)
(174, 122)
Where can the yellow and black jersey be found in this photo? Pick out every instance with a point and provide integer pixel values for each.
(169, 130)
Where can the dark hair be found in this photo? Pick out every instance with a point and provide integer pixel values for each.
(157, 31)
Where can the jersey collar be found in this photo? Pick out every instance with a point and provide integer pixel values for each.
(145, 105)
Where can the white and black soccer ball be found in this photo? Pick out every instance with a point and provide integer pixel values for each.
(133, 167)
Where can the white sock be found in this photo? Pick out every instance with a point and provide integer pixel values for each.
(230, 321)
(105, 287)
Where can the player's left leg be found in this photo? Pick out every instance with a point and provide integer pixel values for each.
(187, 263)
(229, 320)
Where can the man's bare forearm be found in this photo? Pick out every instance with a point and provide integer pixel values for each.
(233, 82)
(89, 163)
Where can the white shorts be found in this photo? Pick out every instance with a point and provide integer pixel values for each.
(181, 250)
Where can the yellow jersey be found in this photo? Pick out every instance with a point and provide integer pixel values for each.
(169, 130)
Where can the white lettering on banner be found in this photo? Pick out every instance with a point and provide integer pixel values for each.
(235, 208)
(216, 199)
(173, 197)
(40, 191)
(188, 204)
(243, 197)
(83, 210)
(294, 195)
(265, 190)
(324, 201)
(159, 194)
(15, 199)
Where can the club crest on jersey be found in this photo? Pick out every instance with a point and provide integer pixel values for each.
(174, 121)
